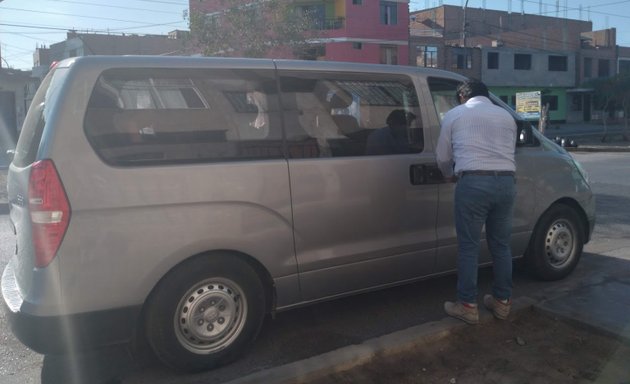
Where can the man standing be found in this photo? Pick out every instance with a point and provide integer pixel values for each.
(476, 148)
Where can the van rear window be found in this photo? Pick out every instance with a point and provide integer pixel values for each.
(162, 116)
(36, 118)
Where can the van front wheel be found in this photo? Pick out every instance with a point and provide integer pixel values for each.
(205, 312)
(556, 245)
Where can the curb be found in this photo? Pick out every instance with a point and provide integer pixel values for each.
(591, 327)
(351, 356)
(597, 148)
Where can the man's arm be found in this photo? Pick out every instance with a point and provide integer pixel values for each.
(444, 150)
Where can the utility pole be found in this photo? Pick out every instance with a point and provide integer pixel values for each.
(2, 58)
(464, 26)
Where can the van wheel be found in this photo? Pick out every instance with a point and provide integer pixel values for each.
(205, 312)
(556, 245)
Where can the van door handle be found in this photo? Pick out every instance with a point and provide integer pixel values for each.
(425, 174)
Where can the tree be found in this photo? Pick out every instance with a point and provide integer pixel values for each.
(253, 28)
(613, 93)
(604, 99)
(622, 96)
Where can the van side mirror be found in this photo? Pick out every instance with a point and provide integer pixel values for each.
(10, 154)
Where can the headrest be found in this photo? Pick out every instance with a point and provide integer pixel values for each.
(337, 102)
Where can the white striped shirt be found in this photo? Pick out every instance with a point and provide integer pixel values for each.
(477, 135)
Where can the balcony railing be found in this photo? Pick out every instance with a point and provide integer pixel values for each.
(330, 23)
(426, 32)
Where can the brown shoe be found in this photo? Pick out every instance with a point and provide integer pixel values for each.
(469, 314)
(499, 309)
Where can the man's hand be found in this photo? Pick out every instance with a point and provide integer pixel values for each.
(451, 179)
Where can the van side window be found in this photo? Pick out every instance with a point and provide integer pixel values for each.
(443, 93)
(344, 114)
(164, 116)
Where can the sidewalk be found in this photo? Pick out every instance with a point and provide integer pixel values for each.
(4, 206)
(588, 137)
(600, 306)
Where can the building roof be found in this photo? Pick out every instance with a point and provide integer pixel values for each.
(101, 44)
(11, 75)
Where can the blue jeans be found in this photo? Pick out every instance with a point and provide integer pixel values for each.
(479, 200)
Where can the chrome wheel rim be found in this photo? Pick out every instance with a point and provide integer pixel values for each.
(210, 316)
(560, 243)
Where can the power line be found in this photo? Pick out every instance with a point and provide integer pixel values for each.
(145, 26)
(15, 47)
(163, 2)
(116, 6)
(65, 29)
(566, 8)
(68, 14)
(36, 26)
(590, 8)
(525, 37)
(113, 13)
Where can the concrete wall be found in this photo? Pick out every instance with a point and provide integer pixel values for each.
(538, 75)
(16, 92)
(559, 114)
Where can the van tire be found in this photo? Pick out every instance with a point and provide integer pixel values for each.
(556, 244)
(205, 312)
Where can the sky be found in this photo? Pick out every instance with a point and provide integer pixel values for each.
(28, 24)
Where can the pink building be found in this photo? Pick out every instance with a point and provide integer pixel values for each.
(366, 31)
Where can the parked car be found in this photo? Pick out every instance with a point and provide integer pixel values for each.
(183, 199)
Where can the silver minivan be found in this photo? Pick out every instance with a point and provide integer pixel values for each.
(182, 199)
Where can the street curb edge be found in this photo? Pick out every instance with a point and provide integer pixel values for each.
(346, 358)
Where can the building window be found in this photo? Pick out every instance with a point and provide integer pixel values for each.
(513, 101)
(357, 45)
(588, 67)
(558, 63)
(552, 100)
(493, 60)
(522, 61)
(357, 2)
(603, 68)
(462, 60)
(426, 56)
(624, 66)
(316, 13)
(576, 103)
(313, 52)
(389, 13)
(389, 54)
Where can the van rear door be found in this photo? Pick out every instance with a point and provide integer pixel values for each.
(31, 140)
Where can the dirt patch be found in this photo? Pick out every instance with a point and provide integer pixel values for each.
(531, 348)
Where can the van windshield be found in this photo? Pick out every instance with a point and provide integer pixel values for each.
(38, 114)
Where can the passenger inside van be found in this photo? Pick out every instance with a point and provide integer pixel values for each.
(393, 138)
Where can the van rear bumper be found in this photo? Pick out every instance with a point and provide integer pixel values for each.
(68, 333)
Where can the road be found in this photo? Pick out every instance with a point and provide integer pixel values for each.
(320, 328)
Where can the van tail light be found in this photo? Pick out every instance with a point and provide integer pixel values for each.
(50, 211)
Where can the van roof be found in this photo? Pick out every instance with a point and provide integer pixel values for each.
(232, 62)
